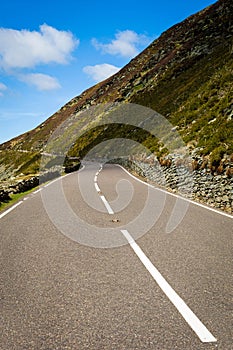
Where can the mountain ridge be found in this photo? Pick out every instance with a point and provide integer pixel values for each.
(166, 77)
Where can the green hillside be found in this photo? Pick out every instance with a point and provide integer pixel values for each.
(185, 75)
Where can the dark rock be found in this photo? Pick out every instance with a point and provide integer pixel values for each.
(4, 196)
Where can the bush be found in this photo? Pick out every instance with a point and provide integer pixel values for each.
(216, 156)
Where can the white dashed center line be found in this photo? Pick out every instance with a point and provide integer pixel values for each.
(193, 321)
(109, 209)
(104, 200)
(97, 187)
(197, 326)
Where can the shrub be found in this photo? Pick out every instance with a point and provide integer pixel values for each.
(216, 156)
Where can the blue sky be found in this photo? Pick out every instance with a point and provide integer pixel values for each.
(51, 51)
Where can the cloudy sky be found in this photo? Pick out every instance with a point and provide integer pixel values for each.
(51, 51)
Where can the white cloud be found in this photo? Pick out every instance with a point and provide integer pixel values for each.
(126, 44)
(100, 72)
(3, 87)
(26, 49)
(40, 81)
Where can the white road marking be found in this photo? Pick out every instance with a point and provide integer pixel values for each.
(51, 182)
(37, 190)
(107, 205)
(62, 177)
(10, 209)
(79, 170)
(178, 196)
(197, 326)
(97, 187)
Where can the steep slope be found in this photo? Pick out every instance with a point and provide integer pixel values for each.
(185, 75)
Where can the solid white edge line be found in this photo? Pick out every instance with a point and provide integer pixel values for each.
(109, 209)
(176, 195)
(197, 326)
(58, 178)
(37, 191)
(82, 168)
(10, 209)
(62, 177)
(40, 189)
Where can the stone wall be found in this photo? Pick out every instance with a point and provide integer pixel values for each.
(25, 185)
(199, 185)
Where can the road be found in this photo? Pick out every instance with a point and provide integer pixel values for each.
(88, 262)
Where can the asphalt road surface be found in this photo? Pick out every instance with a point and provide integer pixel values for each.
(98, 260)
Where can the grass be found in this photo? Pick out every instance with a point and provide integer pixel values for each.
(18, 162)
(15, 198)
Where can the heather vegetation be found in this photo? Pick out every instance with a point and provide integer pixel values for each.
(199, 101)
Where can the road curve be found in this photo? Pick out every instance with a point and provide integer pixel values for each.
(71, 280)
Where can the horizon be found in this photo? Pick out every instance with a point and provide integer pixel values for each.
(47, 58)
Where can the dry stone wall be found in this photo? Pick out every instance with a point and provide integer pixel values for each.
(200, 185)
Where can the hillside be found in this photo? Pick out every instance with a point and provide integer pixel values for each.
(185, 75)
